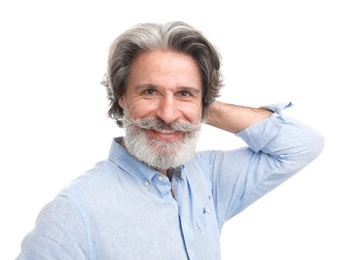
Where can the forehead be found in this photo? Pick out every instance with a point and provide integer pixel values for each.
(165, 67)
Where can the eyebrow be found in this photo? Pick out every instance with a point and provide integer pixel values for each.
(145, 86)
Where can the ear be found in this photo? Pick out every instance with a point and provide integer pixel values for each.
(121, 102)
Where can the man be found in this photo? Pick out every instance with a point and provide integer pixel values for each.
(154, 197)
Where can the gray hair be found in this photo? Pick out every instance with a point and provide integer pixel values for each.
(176, 36)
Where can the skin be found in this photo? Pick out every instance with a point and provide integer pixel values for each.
(234, 118)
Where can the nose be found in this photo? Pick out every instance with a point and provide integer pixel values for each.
(168, 110)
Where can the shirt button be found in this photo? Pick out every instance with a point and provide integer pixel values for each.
(160, 178)
(146, 183)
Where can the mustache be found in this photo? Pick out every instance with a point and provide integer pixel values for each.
(159, 125)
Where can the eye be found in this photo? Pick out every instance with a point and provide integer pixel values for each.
(185, 94)
(149, 92)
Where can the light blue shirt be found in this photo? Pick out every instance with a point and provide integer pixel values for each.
(122, 209)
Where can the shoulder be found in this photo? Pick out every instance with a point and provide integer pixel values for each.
(102, 173)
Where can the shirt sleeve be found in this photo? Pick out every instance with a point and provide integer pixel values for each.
(278, 147)
(56, 236)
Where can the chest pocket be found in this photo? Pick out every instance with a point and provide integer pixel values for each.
(207, 232)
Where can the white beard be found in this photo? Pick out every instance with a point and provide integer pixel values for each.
(156, 153)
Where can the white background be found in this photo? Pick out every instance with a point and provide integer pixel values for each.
(54, 124)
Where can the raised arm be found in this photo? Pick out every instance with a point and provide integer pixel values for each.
(278, 147)
(234, 118)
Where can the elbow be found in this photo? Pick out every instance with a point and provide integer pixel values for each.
(305, 153)
(316, 145)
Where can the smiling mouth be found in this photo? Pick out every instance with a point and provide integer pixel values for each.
(165, 131)
(166, 134)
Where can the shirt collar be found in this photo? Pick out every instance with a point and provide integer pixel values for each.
(137, 169)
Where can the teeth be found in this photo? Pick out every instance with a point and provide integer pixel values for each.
(165, 131)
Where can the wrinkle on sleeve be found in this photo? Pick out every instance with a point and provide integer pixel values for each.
(59, 233)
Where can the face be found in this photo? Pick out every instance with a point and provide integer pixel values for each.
(165, 87)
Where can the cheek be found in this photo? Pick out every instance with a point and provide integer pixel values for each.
(140, 110)
(193, 114)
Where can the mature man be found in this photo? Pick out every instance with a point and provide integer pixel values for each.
(154, 197)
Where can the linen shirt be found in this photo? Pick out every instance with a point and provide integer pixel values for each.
(123, 209)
